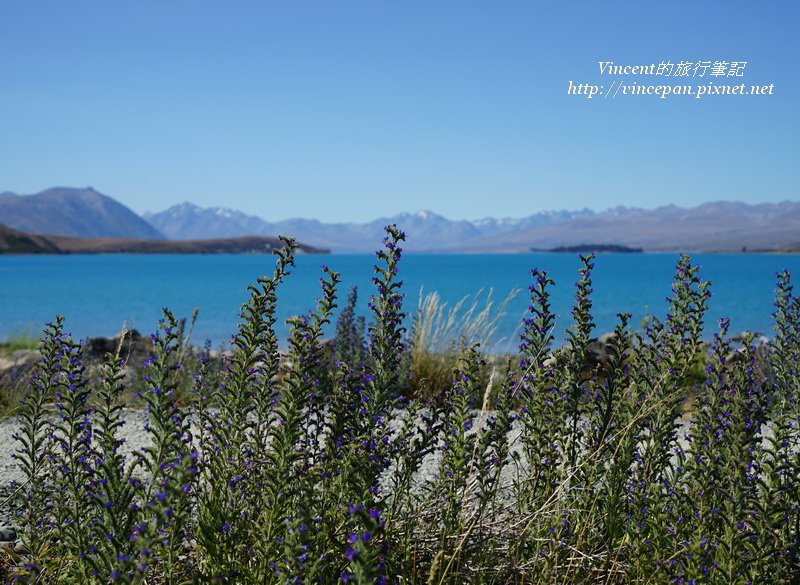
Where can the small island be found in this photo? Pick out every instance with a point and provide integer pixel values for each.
(585, 248)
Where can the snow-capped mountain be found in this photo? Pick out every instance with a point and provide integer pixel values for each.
(710, 226)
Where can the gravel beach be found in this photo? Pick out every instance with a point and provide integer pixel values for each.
(10, 475)
(136, 438)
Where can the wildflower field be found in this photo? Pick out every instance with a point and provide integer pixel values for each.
(344, 461)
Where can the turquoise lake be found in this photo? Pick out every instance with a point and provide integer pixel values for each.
(98, 293)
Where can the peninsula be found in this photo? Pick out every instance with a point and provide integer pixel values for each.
(16, 242)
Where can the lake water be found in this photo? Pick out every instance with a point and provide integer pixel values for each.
(98, 293)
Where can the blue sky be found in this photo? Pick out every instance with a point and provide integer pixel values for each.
(349, 111)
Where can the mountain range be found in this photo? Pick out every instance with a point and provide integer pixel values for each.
(716, 226)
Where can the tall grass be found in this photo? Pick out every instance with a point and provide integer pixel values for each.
(442, 333)
(287, 468)
(12, 374)
(19, 340)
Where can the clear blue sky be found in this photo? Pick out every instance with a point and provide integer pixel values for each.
(355, 110)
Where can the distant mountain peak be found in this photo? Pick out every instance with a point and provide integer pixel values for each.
(187, 205)
(422, 215)
(79, 212)
(187, 221)
(184, 207)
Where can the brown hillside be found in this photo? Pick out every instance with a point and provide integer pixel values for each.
(15, 242)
